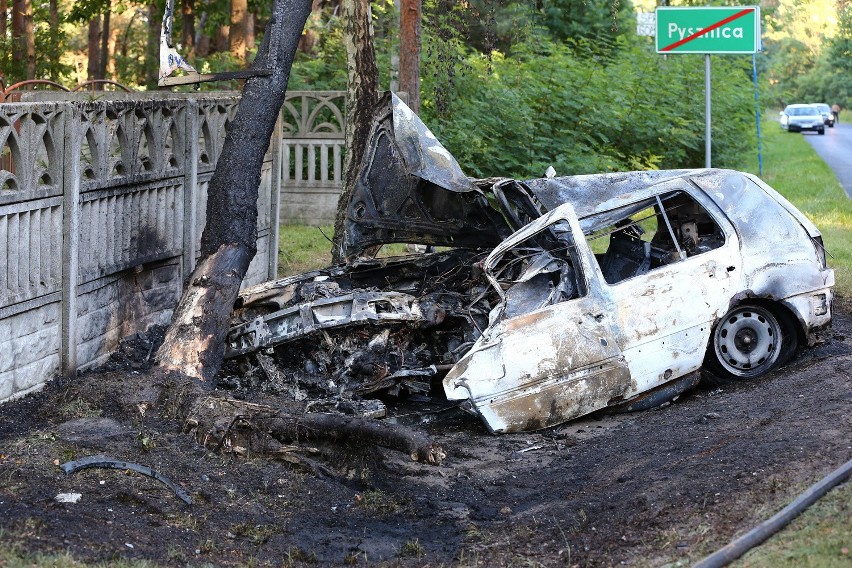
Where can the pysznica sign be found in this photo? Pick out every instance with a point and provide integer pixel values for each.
(708, 30)
(680, 33)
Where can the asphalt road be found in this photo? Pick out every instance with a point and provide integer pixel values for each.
(836, 149)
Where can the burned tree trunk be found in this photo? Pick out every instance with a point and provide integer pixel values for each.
(362, 95)
(194, 343)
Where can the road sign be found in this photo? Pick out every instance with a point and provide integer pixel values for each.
(708, 30)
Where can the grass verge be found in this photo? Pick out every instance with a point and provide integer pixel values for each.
(821, 537)
(792, 167)
(302, 248)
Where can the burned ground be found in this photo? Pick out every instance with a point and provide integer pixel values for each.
(643, 489)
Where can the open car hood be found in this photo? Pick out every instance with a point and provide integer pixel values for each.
(411, 190)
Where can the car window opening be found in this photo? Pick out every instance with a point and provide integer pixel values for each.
(651, 234)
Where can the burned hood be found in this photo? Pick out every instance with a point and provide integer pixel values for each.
(410, 189)
(422, 155)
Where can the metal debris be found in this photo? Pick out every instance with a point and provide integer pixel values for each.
(110, 463)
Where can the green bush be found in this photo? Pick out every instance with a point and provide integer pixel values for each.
(584, 111)
(582, 106)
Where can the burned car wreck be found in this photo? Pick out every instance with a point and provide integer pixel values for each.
(545, 299)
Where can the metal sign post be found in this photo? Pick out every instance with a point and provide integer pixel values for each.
(708, 30)
(707, 128)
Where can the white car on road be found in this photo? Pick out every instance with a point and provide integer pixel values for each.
(798, 118)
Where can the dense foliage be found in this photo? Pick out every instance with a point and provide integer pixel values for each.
(511, 86)
(583, 105)
(808, 55)
(556, 103)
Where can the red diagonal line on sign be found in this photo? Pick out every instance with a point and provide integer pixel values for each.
(700, 33)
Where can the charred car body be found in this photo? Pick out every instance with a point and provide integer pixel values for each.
(549, 298)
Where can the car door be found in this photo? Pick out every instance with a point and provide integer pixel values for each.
(665, 310)
(550, 353)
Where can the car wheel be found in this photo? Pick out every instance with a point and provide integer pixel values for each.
(748, 342)
(821, 131)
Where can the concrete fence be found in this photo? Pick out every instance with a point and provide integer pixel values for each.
(102, 205)
(312, 156)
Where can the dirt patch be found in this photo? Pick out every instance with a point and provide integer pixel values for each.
(642, 489)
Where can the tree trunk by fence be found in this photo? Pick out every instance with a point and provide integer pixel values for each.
(194, 343)
(362, 95)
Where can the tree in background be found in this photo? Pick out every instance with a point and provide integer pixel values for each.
(238, 30)
(797, 36)
(410, 38)
(23, 39)
(838, 87)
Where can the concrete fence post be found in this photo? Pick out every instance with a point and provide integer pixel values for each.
(190, 187)
(275, 199)
(70, 152)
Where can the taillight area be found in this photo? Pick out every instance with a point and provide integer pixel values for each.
(820, 250)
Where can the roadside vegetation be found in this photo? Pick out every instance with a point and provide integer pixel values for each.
(792, 167)
(821, 537)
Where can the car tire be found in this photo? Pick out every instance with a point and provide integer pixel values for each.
(821, 131)
(747, 332)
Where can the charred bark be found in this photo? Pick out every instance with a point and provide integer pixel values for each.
(244, 427)
(362, 95)
(194, 343)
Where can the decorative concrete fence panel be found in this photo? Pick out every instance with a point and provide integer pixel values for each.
(312, 156)
(102, 205)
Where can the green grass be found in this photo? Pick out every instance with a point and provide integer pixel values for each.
(14, 557)
(821, 537)
(792, 167)
(302, 248)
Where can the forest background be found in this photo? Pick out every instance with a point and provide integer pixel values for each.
(510, 87)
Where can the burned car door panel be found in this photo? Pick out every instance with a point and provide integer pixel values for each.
(557, 296)
(543, 368)
(550, 352)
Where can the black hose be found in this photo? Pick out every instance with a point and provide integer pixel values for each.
(764, 530)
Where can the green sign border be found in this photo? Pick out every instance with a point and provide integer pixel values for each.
(687, 18)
